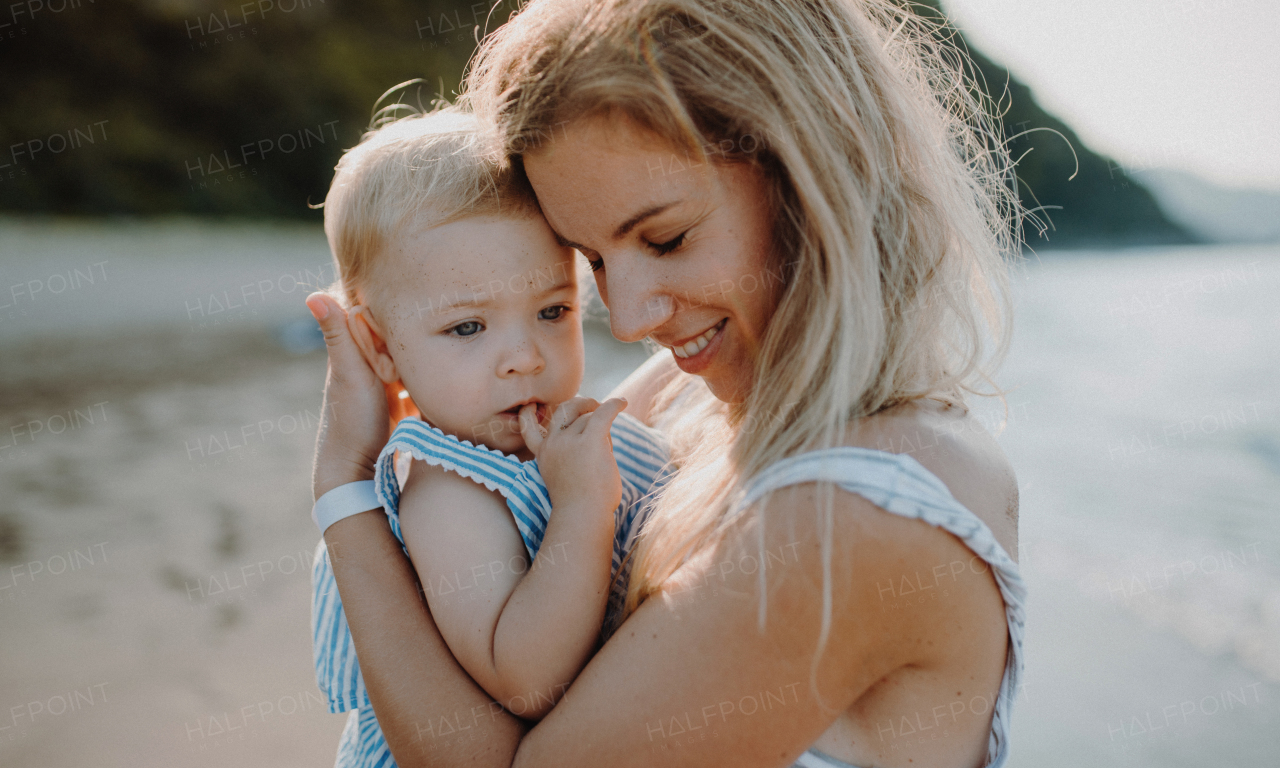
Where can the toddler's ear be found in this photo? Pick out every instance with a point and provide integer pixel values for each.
(372, 343)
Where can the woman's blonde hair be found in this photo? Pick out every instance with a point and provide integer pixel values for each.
(893, 196)
(420, 170)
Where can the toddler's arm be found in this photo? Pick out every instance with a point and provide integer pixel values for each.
(522, 632)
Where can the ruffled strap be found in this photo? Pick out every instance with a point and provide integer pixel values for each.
(894, 482)
(519, 483)
(641, 452)
(494, 470)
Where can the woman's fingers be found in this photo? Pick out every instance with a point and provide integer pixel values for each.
(354, 422)
(530, 429)
(345, 361)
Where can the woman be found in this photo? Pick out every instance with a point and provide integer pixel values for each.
(800, 200)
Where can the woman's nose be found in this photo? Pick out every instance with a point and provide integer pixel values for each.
(636, 306)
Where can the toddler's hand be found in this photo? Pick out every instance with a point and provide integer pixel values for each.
(575, 452)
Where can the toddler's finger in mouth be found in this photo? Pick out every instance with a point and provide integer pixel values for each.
(530, 428)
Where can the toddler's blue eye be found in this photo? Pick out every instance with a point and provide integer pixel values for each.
(555, 312)
(469, 328)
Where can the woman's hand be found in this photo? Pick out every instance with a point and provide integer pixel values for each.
(575, 452)
(355, 419)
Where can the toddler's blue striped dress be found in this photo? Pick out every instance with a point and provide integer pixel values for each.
(642, 457)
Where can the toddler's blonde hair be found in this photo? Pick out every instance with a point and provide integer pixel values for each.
(423, 170)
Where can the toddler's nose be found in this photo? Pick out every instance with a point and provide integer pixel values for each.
(522, 359)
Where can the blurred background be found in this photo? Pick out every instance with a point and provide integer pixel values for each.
(160, 377)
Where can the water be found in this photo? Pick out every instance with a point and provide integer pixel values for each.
(157, 401)
(1145, 429)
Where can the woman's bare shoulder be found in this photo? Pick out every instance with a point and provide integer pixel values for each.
(955, 446)
(862, 554)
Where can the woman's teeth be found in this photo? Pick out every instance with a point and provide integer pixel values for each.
(692, 348)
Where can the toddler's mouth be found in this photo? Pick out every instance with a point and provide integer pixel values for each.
(515, 409)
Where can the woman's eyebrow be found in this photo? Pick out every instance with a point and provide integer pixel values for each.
(634, 221)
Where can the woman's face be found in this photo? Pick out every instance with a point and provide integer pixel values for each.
(680, 248)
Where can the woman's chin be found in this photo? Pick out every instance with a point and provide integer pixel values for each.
(728, 387)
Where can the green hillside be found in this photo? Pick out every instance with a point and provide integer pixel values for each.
(242, 109)
(1101, 205)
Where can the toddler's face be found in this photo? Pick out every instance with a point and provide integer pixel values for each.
(480, 317)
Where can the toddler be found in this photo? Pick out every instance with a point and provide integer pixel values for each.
(461, 299)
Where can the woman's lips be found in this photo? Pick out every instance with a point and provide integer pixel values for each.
(697, 343)
(698, 353)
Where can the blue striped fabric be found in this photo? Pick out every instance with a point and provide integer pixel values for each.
(642, 457)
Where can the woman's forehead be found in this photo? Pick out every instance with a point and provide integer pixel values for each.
(595, 183)
(604, 149)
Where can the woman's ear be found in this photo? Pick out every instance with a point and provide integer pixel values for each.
(371, 340)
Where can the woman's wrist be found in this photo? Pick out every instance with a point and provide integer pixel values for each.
(344, 501)
(331, 474)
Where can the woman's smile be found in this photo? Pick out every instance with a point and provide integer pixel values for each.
(696, 353)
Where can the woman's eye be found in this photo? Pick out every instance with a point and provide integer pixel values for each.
(469, 328)
(553, 313)
(595, 264)
(664, 248)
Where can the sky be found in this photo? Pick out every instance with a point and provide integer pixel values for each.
(1192, 85)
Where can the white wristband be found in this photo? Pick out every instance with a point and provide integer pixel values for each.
(344, 501)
